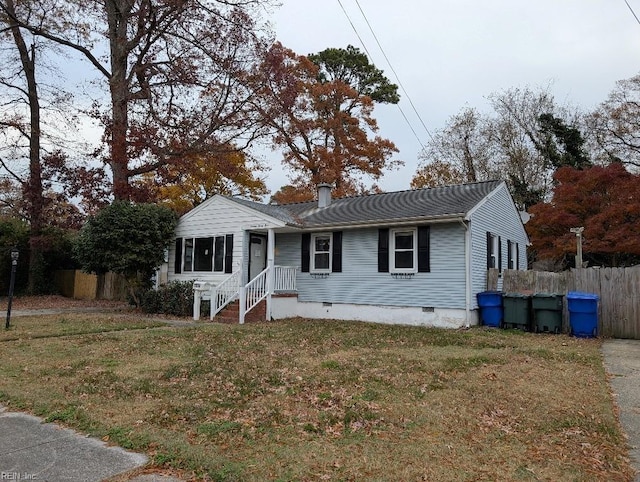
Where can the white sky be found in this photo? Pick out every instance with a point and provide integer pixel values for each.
(452, 53)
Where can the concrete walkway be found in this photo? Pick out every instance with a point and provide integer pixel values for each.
(33, 450)
(622, 362)
(176, 322)
(55, 311)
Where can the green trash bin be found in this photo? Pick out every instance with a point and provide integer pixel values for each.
(517, 311)
(547, 312)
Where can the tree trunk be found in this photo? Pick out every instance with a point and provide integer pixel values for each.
(33, 189)
(469, 164)
(117, 14)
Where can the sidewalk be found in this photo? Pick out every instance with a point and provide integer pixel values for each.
(622, 363)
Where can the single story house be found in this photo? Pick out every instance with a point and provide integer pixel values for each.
(412, 257)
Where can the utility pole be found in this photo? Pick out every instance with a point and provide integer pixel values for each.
(578, 233)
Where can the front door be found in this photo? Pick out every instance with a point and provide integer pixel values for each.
(257, 254)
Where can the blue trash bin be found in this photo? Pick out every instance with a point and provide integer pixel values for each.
(583, 314)
(491, 312)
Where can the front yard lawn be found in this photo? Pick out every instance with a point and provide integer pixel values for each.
(326, 400)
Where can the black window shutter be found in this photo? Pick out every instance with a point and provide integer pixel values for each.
(336, 261)
(517, 256)
(228, 253)
(218, 254)
(499, 255)
(423, 250)
(177, 268)
(509, 256)
(489, 250)
(304, 261)
(383, 250)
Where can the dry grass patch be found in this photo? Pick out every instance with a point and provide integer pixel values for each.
(324, 400)
(27, 327)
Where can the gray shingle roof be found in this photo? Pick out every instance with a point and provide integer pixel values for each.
(425, 204)
(418, 204)
(277, 212)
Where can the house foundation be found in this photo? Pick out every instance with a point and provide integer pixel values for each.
(289, 307)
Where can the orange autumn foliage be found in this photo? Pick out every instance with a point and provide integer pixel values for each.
(325, 128)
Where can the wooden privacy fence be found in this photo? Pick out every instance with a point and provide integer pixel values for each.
(618, 289)
(85, 286)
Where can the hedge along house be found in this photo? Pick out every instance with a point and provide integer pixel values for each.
(412, 257)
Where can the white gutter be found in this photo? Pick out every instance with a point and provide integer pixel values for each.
(467, 271)
(447, 218)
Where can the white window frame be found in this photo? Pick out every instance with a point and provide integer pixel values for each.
(392, 250)
(514, 255)
(313, 252)
(495, 249)
(190, 268)
(188, 254)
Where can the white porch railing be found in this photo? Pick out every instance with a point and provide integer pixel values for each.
(285, 278)
(259, 288)
(263, 285)
(224, 293)
(254, 292)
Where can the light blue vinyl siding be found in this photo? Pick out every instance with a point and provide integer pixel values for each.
(360, 282)
(498, 216)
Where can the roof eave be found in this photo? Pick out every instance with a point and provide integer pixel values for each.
(447, 218)
(275, 222)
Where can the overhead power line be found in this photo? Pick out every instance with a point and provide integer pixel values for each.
(393, 70)
(346, 14)
(632, 12)
(371, 58)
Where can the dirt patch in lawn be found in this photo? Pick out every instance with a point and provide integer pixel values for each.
(327, 400)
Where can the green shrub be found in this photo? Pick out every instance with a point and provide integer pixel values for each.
(128, 239)
(14, 234)
(174, 298)
(150, 302)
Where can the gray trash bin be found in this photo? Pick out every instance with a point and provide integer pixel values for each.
(517, 311)
(547, 312)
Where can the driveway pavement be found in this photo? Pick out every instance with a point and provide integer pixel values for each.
(622, 362)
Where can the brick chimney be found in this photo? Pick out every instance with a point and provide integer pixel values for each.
(324, 194)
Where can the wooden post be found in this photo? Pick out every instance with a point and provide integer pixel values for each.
(492, 279)
(196, 305)
(271, 239)
(242, 301)
(578, 233)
